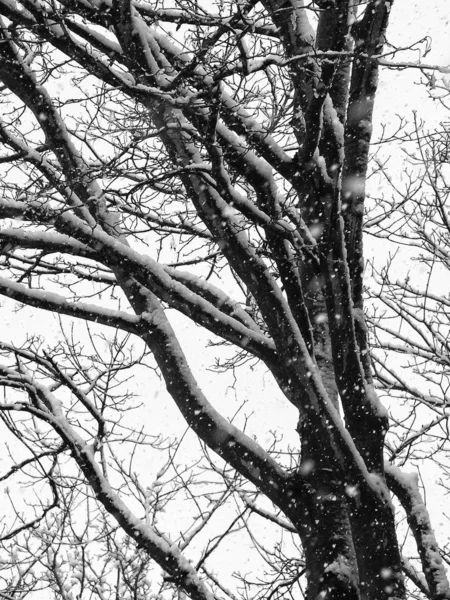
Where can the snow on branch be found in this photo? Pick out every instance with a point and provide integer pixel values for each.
(405, 487)
(213, 294)
(234, 446)
(151, 274)
(166, 554)
(51, 242)
(58, 304)
(328, 56)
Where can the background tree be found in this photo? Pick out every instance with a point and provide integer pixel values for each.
(141, 138)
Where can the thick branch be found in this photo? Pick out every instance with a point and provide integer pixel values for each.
(406, 488)
(57, 304)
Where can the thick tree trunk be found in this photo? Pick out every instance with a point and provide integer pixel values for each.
(331, 564)
(332, 568)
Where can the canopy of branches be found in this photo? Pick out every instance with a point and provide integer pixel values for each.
(184, 178)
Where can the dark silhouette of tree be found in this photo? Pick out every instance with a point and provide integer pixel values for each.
(238, 135)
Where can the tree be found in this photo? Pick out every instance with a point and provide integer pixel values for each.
(141, 138)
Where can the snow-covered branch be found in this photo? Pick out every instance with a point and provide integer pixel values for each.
(406, 488)
(58, 304)
(167, 555)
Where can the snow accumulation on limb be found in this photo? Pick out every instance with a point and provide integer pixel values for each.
(247, 340)
(56, 303)
(21, 80)
(369, 38)
(146, 271)
(153, 275)
(176, 15)
(96, 61)
(259, 174)
(214, 295)
(50, 241)
(61, 243)
(52, 367)
(245, 124)
(212, 208)
(36, 158)
(234, 446)
(214, 211)
(295, 31)
(405, 487)
(167, 555)
(235, 116)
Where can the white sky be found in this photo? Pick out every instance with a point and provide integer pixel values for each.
(411, 21)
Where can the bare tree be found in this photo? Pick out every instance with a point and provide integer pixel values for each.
(141, 138)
